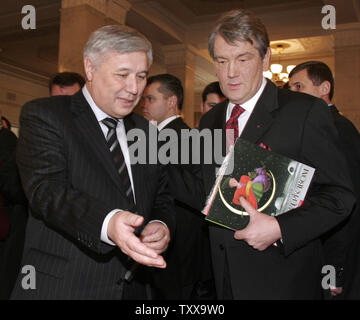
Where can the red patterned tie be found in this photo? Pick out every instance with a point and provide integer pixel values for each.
(232, 123)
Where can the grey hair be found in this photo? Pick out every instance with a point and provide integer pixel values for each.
(240, 25)
(116, 38)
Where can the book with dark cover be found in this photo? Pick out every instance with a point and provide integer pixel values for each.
(272, 183)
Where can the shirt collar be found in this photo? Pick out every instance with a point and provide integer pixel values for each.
(162, 124)
(99, 114)
(250, 104)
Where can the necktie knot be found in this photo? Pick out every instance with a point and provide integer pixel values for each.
(237, 111)
(110, 123)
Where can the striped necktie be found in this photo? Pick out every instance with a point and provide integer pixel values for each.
(118, 158)
(232, 123)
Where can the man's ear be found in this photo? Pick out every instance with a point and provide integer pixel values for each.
(89, 68)
(173, 102)
(325, 88)
(266, 60)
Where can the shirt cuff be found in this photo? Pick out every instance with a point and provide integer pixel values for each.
(104, 237)
(162, 222)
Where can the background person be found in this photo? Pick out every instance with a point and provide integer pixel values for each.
(211, 96)
(342, 244)
(188, 274)
(12, 213)
(66, 83)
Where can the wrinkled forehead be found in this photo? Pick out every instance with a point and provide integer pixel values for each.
(223, 47)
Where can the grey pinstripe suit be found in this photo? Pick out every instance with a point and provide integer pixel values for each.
(71, 183)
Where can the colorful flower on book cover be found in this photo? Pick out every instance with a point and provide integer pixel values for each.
(257, 187)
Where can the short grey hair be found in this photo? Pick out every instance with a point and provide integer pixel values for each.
(240, 25)
(118, 38)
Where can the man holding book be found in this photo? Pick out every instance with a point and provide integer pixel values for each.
(246, 263)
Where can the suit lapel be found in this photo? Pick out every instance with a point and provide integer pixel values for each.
(261, 118)
(175, 124)
(136, 169)
(220, 121)
(88, 127)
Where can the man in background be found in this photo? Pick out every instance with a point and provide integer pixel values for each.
(13, 214)
(5, 123)
(211, 96)
(342, 244)
(65, 83)
(188, 275)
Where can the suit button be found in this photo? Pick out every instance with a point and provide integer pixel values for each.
(221, 246)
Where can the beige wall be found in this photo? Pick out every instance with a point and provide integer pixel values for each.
(15, 91)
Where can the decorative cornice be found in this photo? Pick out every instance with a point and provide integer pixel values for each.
(113, 9)
(99, 5)
(347, 35)
(157, 15)
(23, 74)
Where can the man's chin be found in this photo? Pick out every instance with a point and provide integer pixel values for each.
(123, 112)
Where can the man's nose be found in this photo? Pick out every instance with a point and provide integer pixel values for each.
(233, 69)
(132, 85)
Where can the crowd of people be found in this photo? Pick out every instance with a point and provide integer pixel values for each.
(95, 224)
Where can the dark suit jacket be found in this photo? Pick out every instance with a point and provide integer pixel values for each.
(10, 186)
(188, 258)
(7, 170)
(342, 244)
(300, 127)
(72, 184)
(13, 214)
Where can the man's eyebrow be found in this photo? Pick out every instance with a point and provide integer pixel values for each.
(128, 69)
(245, 54)
(238, 56)
(122, 69)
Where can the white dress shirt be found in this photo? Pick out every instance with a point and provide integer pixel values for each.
(162, 124)
(121, 135)
(248, 106)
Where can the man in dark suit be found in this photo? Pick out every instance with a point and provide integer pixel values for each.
(341, 244)
(12, 213)
(97, 217)
(189, 274)
(246, 263)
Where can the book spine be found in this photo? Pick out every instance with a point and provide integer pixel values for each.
(300, 185)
